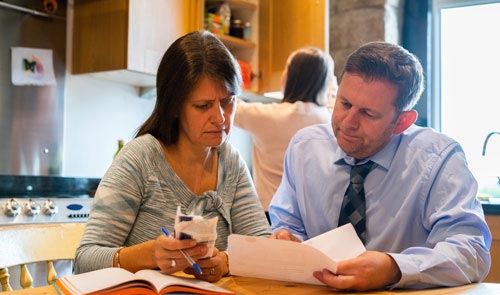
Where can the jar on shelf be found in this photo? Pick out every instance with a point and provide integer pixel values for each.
(236, 29)
(247, 31)
(225, 18)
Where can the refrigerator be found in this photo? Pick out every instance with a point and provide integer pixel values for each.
(31, 117)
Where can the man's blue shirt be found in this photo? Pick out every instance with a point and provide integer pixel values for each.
(421, 204)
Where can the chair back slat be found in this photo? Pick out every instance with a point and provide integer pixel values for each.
(26, 280)
(25, 244)
(51, 273)
(4, 279)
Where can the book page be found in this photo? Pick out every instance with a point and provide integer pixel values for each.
(282, 260)
(161, 281)
(97, 280)
(117, 280)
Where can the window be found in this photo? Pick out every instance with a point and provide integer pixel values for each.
(466, 84)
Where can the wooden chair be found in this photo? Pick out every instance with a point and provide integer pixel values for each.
(24, 244)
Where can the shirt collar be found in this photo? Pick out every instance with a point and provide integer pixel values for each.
(383, 158)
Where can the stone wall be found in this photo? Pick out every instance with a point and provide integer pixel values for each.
(355, 22)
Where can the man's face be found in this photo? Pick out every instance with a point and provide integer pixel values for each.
(364, 117)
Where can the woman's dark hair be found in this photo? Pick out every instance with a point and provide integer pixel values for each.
(308, 72)
(190, 58)
(386, 61)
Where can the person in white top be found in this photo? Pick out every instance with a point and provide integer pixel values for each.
(308, 86)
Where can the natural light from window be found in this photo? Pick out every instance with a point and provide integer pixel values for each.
(470, 87)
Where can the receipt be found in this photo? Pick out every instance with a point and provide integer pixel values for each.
(197, 228)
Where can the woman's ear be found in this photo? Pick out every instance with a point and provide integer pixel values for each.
(405, 120)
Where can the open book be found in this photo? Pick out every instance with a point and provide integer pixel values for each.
(144, 282)
(281, 260)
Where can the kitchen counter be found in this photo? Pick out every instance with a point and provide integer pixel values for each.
(491, 209)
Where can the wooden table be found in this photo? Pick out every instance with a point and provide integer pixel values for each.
(252, 286)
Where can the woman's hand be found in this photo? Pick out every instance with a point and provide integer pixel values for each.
(213, 268)
(168, 257)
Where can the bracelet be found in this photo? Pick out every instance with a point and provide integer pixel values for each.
(228, 273)
(117, 257)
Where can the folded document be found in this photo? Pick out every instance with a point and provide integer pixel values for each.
(197, 228)
(291, 261)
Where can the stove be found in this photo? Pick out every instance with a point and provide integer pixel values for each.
(37, 210)
(31, 210)
(33, 200)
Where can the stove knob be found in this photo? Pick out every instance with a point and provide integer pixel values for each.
(49, 207)
(11, 208)
(31, 208)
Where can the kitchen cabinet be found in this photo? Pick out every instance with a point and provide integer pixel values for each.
(285, 26)
(279, 27)
(494, 225)
(124, 40)
(245, 50)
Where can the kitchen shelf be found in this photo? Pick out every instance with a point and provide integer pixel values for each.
(235, 4)
(244, 50)
(234, 42)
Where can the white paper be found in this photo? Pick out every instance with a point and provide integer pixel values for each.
(338, 244)
(281, 260)
(32, 66)
(196, 228)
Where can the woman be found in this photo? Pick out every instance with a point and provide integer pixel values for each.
(180, 157)
(308, 85)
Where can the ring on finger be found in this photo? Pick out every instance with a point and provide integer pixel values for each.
(173, 263)
(212, 270)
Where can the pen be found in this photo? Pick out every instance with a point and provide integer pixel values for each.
(188, 258)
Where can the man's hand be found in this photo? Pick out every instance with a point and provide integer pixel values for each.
(283, 234)
(370, 271)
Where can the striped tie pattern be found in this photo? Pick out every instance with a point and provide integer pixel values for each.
(353, 207)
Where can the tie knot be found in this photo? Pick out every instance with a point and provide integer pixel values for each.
(359, 172)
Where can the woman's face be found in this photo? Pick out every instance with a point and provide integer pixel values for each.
(207, 115)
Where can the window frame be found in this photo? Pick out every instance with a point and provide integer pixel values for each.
(434, 112)
(434, 119)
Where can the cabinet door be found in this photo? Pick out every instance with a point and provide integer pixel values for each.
(494, 224)
(284, 26)
(99, 35)
(116, 35)
(154, 25)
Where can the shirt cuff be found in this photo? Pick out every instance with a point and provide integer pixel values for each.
(409, 271)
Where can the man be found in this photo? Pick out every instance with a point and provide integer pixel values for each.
(419, 217)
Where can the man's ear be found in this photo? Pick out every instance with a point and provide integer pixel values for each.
(405, 120)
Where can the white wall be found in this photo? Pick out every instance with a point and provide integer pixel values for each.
(97, 114)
